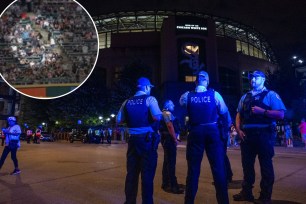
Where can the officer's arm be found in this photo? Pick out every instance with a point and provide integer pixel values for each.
(275, 114)
(154, 108)
(183, 99)
(220, 104)
(277, 106)
(238, 126)
(169, 124)
(171, 130)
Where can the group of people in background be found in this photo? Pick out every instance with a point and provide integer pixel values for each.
(209, 125)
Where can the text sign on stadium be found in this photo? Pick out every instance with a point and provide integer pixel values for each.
(191, 25)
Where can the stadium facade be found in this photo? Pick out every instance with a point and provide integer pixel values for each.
(179, 44)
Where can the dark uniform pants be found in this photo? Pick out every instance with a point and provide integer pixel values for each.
(205, 138)
(169, 178)
(141, 159)
(259, 142)
(228, 168)
(5, 152)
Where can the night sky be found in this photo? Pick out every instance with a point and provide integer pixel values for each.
(283, 23)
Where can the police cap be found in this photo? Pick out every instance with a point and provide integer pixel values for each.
(256, 73)
(143, 81)
(11, 118)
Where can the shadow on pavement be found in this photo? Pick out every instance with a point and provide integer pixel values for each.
(284, 202)
(235, 184)
(19, 188)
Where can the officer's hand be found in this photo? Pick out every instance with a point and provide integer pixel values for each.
(241, 134)
(258, 110)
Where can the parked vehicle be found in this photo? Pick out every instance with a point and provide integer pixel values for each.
(77, 135)
(46, 137)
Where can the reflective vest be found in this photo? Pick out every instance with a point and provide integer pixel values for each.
(137, 113)
(201, 107)
(248, 103)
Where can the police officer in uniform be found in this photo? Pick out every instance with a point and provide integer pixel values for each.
(169, 142)
(203, 108)
(139, 113)
(12, 143)
(255, 124)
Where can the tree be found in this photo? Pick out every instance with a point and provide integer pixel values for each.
(33, 112)
(85, 104)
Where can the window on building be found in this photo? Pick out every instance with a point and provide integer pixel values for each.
(190, 78)
(244, 48)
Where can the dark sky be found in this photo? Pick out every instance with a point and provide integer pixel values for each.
(282, 22)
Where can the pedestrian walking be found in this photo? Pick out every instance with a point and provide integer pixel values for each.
(139, 113)
(12, 143)
(256, 118)
(204, 106)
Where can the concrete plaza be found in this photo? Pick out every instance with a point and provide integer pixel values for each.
(61, 172)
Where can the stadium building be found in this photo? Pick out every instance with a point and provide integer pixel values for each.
(176, 45)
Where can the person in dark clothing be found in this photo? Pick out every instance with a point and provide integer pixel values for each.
(204, 106)
(12, 143)
(256, 118)
(169, 142)
(139, 113)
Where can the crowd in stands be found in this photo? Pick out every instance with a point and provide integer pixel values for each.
(55, 43)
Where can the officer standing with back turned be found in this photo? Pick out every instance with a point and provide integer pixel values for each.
(256, 118)
(203, 107)
(139, 113)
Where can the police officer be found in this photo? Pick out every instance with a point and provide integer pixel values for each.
(255, 124)
(203, 107)
(12, 143)
(169, 142)
(139, 113)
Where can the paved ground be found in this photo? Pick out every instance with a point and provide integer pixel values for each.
(62, 172)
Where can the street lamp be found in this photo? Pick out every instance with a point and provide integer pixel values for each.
(112, 115)
(45, 126)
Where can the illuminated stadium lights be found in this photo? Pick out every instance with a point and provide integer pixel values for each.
(300, 61)
(249, 41)
(294, 57)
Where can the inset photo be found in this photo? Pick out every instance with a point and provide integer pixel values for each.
(48, 48)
